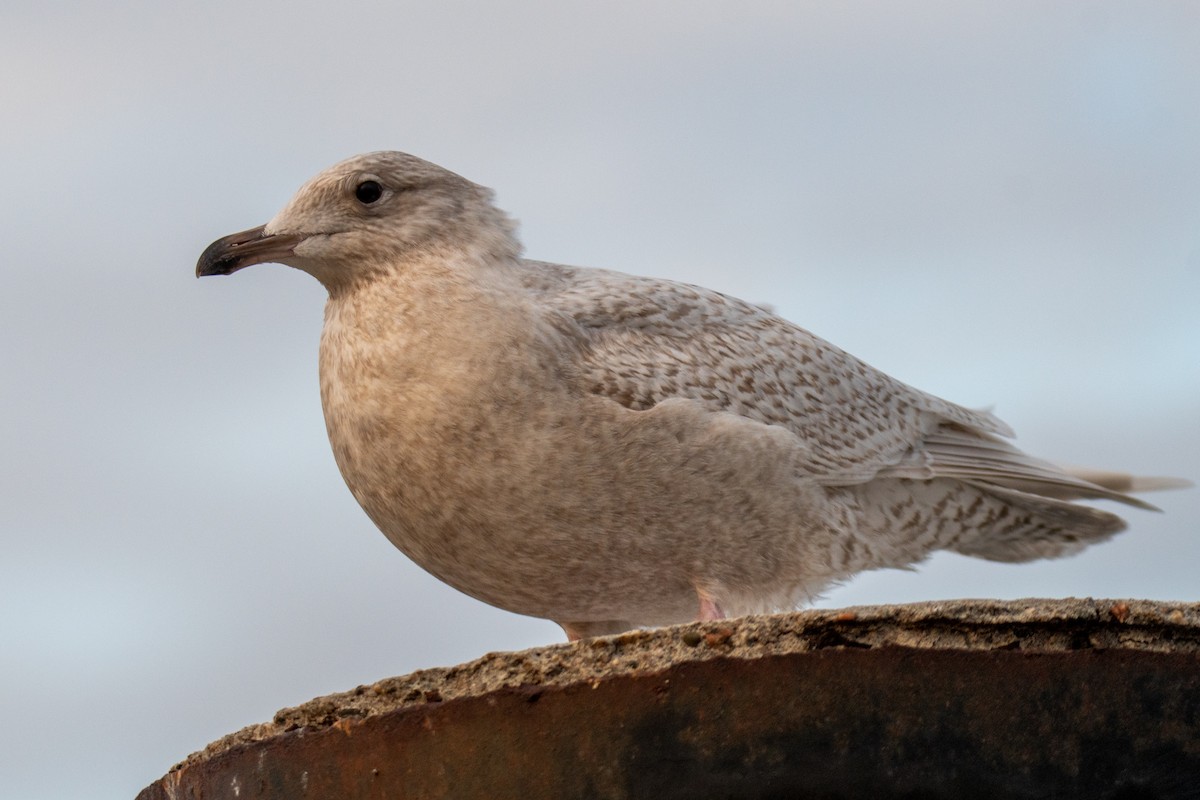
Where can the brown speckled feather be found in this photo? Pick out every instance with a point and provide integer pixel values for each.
(609, 451)
(649, 340)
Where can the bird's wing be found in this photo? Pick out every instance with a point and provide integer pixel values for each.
(647, 340)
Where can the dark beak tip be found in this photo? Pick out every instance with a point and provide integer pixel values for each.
(214, 260)
(230, 253)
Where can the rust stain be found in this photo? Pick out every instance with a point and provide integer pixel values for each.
(719, 637)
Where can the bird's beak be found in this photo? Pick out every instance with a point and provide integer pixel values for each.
(230, 253)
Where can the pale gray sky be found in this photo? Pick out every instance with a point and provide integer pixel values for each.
(996, 202)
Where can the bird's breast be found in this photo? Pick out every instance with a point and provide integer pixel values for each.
(440, 426)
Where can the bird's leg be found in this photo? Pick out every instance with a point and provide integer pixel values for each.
(709, 609)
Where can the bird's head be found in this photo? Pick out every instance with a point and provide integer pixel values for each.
(367, 214)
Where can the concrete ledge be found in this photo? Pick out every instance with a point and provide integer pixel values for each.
(1029, 698)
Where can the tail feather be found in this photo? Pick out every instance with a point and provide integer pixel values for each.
(1123, 482)
(953, 451)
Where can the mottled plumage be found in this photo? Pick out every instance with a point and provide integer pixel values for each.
(609, 451)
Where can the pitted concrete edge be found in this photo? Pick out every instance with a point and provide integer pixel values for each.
(1034, 625)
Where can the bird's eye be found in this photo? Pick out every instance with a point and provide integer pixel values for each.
(368, 192)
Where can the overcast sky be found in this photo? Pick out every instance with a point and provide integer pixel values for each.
(996, 202)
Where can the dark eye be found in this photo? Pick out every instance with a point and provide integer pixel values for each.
(368, 192)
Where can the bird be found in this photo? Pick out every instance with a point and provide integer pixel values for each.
(612, 452)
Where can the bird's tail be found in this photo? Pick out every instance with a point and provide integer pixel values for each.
(1004, 518)
(1005, 505)
(1059, 526)
(1019, 526)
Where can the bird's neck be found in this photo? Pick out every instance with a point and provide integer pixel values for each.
(431, 310)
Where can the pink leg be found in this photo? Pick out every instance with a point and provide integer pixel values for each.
(709, 610)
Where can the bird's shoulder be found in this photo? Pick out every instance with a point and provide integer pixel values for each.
(602, 299)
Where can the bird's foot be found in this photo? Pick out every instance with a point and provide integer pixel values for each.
(584, 630)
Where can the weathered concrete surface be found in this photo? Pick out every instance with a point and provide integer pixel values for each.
(1029, 698)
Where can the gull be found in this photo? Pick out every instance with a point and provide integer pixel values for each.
(610, 451)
